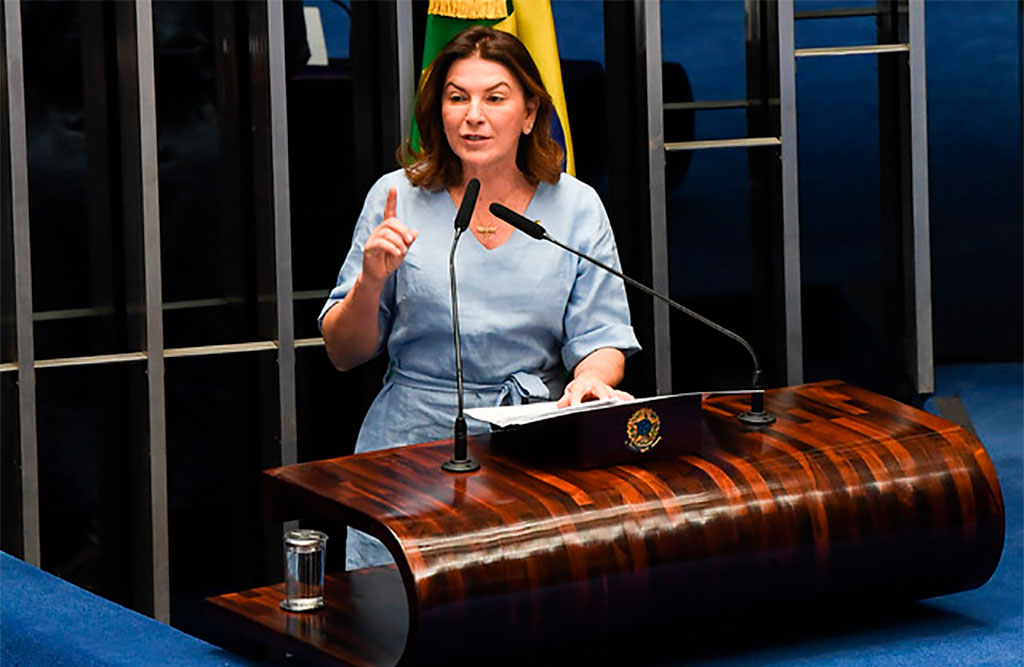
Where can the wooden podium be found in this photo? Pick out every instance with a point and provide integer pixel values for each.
(847, 496)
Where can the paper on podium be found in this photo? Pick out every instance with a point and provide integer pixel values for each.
(528, 413)
(504, 416)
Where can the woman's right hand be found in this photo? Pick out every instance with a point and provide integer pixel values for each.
(387, 245)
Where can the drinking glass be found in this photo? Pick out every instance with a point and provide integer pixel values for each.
(304, 553)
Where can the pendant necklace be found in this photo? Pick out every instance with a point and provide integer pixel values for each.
(491, 230)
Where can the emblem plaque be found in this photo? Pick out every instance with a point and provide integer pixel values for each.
(643, 430)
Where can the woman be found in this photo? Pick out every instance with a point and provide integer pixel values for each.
(528, 310)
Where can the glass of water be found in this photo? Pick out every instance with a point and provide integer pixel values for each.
(304, 553)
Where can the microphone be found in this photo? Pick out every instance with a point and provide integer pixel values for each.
(465, 213)
(460, 461)
(757, 415)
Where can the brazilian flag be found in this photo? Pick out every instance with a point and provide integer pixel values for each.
(531, 22)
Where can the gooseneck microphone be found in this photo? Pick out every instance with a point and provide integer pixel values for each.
(460, 461)
(757, 415)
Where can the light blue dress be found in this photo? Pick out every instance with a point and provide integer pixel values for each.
(528, 311)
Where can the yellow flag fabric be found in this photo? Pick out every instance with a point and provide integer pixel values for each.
(532, 22)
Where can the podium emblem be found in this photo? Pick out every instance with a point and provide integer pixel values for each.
(643, 430)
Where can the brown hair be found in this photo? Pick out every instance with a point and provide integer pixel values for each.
(435, 165)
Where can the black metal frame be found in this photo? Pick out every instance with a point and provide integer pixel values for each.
(628, 177)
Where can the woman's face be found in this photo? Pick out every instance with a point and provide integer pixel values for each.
(484, 110)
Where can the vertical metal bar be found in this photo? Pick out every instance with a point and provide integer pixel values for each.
(22, 285)
(140, 193)
(648, 21)
(919, 273)
(154, 342)
(406, 66)
(794, 365)
(282, 231)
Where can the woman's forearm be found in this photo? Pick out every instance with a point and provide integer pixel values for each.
(606, 364)
(595, 378)
(350, 329)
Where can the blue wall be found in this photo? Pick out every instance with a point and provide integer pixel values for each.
(974, 106)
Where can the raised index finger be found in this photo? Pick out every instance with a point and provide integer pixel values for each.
(389, 208)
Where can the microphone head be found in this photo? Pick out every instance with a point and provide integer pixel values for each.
(465, 213)
(521, 223)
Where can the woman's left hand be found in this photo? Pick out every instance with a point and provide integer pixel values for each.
(589, 387)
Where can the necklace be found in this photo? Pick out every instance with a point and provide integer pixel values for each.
(488, 231)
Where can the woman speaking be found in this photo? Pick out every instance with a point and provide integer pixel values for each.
(530, 313)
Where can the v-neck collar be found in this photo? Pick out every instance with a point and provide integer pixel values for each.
(478, 242)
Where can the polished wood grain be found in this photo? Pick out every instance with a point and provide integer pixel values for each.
(365, 621)
(848, 496)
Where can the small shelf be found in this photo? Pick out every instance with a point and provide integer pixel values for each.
(365, 621)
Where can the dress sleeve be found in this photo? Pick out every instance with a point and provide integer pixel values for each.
(597, 314)
(371, 216)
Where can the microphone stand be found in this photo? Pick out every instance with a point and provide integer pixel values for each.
(460, 461)
(757, 415)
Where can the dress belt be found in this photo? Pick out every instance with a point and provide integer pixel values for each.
(518, 388)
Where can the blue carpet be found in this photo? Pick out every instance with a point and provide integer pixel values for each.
(47, 621)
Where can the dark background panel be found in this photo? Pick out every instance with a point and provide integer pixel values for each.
(841, 233)
(706, 37)
(86, 440)
(10, 469)
(208, 243)
(217, 443)
(74, 278)
(331, 405)
(711, 269)
(324, 204)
